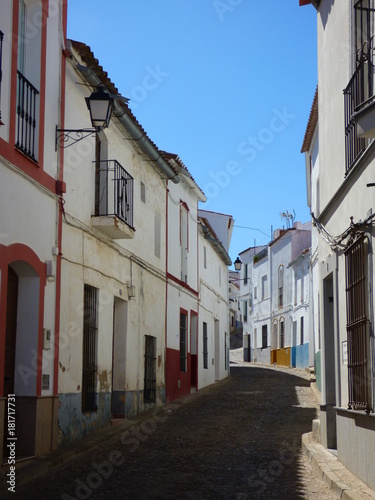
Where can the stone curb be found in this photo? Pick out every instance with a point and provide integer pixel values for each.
(339, 479)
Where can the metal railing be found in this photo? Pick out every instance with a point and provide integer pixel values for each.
(90, 331)
(114, 191)
(357, 325)
(149, 393)
(27, 98)
(358, 92)
(1, 65)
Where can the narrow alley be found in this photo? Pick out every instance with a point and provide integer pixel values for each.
(238, 439)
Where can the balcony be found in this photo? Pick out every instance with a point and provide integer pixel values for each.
(114, 201)
(27, 112)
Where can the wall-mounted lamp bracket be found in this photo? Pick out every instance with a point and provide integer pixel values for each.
(66, 137)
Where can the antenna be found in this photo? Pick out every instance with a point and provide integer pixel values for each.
(289, 218)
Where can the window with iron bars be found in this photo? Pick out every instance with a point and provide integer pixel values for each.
(357, 325)
(89, 362)
(205, 346)
(149, 393)
(183, 342)
(264, 337)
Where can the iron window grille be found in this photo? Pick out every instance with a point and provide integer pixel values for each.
(27, 108)
(360, 90)
(302, 331)
(183, 342)
(264, 336)
(149, 394)
(280, 285)
(282, 339)
(90, 334)
(205, 346)
(357, 324)
(115, 191)
(1, 66)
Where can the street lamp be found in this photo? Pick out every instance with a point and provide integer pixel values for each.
(100, 106)
(237, 264)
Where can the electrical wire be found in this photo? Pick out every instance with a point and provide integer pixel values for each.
(338, 242)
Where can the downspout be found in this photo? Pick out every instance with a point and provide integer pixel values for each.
(132, 129)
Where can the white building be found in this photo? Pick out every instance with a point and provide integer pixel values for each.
(234, 301)
(113, 302)
(32, 62)
(182, 283)
(274, 293)
(247, 290)
(213, 341)
(310, 147)
(284, 249)
(345, 224)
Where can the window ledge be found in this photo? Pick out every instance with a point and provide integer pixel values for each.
(353, 413)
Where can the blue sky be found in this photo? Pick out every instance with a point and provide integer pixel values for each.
(225, 84)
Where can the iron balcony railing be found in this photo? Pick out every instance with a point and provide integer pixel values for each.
(1, 65)
(27, 99)
(358, 92)
(114, 191)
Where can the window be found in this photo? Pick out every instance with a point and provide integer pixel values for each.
(282, 340)
(301, 331)
(274, 335)
(357, 325)
(219, 276)
(302, 289)
(184, 242)
(143, 192)
(264, 287)
(183, 341)
(280, 285)
(89, 350)
(28, 77)
(205, 257)
(149, 393)
(205, 346)
(245, 310)
(295, 289)
(157, 235)
(245, 276)
(264, 336)
(255, 292)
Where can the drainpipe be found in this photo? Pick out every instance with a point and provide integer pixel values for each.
(136, 134)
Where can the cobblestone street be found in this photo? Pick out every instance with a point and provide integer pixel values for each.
(239, 439)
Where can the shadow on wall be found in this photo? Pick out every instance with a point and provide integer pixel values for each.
(325, 12)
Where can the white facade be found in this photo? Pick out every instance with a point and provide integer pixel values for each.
(182, 283)
(311, 149)
(346, 160)
(247, 290)
(29, 227)
(269, 277)
(113, 266)
(234, 301)
(214, 297)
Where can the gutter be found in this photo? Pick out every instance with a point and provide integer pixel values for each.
(131, 128)
(217, 245)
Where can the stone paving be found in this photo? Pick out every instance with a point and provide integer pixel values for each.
(238, 439)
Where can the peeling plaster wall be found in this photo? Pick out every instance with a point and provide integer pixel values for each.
(112, 266)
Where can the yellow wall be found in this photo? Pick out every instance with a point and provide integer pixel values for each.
(281, 356)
